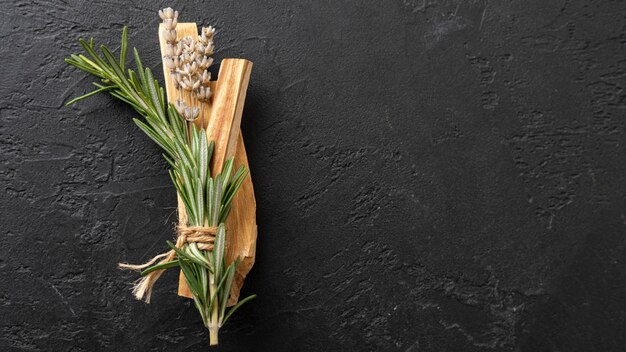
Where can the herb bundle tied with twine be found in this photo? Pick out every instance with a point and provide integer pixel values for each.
(200, 245)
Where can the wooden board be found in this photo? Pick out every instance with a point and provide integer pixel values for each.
(222, 119)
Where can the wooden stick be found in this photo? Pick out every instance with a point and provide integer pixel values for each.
(222, 120)
(225, 117)
(241, 226)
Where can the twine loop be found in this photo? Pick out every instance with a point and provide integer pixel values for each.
(203, 237)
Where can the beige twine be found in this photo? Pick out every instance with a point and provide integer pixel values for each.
(204, 237)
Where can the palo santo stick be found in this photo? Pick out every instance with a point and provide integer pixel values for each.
(222, 119)
(241, 226)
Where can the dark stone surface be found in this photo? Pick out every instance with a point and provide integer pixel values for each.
(430, 176)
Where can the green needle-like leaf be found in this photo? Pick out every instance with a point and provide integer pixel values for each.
(166, 265)
(236, 306)
(124, 47)
(99, 90)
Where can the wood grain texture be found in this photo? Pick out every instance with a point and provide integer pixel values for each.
(222, 118)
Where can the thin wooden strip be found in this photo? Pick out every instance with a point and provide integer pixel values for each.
(182, 30)
(227, 108)
(242, 227)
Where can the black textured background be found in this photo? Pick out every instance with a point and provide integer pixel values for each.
(430, 176)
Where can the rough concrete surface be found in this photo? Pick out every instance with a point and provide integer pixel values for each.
(430, 176)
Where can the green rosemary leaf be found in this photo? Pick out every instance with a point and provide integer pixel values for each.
(225, 291)
(224, 211)
(166, 265)
(199, 274)
(200, 201)
(204, 157)
(184, 154)
(162, 96)
(193, 145)
(210, 190)
(134, 80)
(124, 47)
(200, 307)
(161, 131)
(195, 251)
(192, 282)
(140, 70)
(86, 61)
(182, 254)
(215, 296)
(210, 155)
(113, 63)
(180, 189)
(153, 135)
(176, 122)
(234, 308)
(81, 65)
(169, 160)
(233, 187)
(226, 170)
(189, 190)
(84, 96)
(216, 200)
(204, 281)
(117, 94)
(121, 77)
(218, 251)
(156, 102)
(96, 58)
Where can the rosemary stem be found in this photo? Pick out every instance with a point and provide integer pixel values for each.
(214, 320)
(213, 335)
(202, 114)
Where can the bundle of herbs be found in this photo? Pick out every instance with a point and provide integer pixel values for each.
(200, 247)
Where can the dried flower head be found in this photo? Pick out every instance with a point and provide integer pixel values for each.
(168, 14)
(186, 70)
(205, 78)
(204, 62)
(169, 35)
(204, 94)
(191, 114)
(196, 85)
(169, 63)
(188, 113)
(170, 23)
(170, 50)
(176, 80)
(180, 106)
(207, 35)
(187, 83)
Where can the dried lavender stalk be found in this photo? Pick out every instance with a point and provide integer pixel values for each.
(188, 60)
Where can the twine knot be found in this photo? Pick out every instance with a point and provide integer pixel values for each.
(204, 237)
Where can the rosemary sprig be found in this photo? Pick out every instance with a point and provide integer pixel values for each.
(207, 199)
